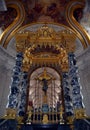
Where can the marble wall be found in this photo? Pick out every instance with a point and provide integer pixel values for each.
(6, 65)
(83, 62)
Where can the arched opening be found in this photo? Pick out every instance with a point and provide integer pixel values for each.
(45, 94)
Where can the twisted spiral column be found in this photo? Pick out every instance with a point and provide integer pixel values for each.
(23, 92)
(75, 83)
(15, 82)
(67, 95)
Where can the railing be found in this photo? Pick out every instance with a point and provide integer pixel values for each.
(82, 124)
(8, 124)
(50, 117)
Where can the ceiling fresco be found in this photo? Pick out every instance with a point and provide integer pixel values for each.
(45, 11)
(7, 17)
(37, 11)
(78, 14)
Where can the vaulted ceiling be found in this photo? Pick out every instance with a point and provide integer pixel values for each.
(40, 11)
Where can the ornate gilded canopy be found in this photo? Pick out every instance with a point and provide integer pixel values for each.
(54, 45)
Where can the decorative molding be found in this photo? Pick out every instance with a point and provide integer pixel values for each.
(11, 29)
(81, 33)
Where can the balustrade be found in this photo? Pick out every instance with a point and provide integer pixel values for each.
(45, 118)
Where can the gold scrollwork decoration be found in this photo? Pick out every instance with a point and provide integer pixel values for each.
(63, 38)
(11, 29)
(28, 42)
(78, 29)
